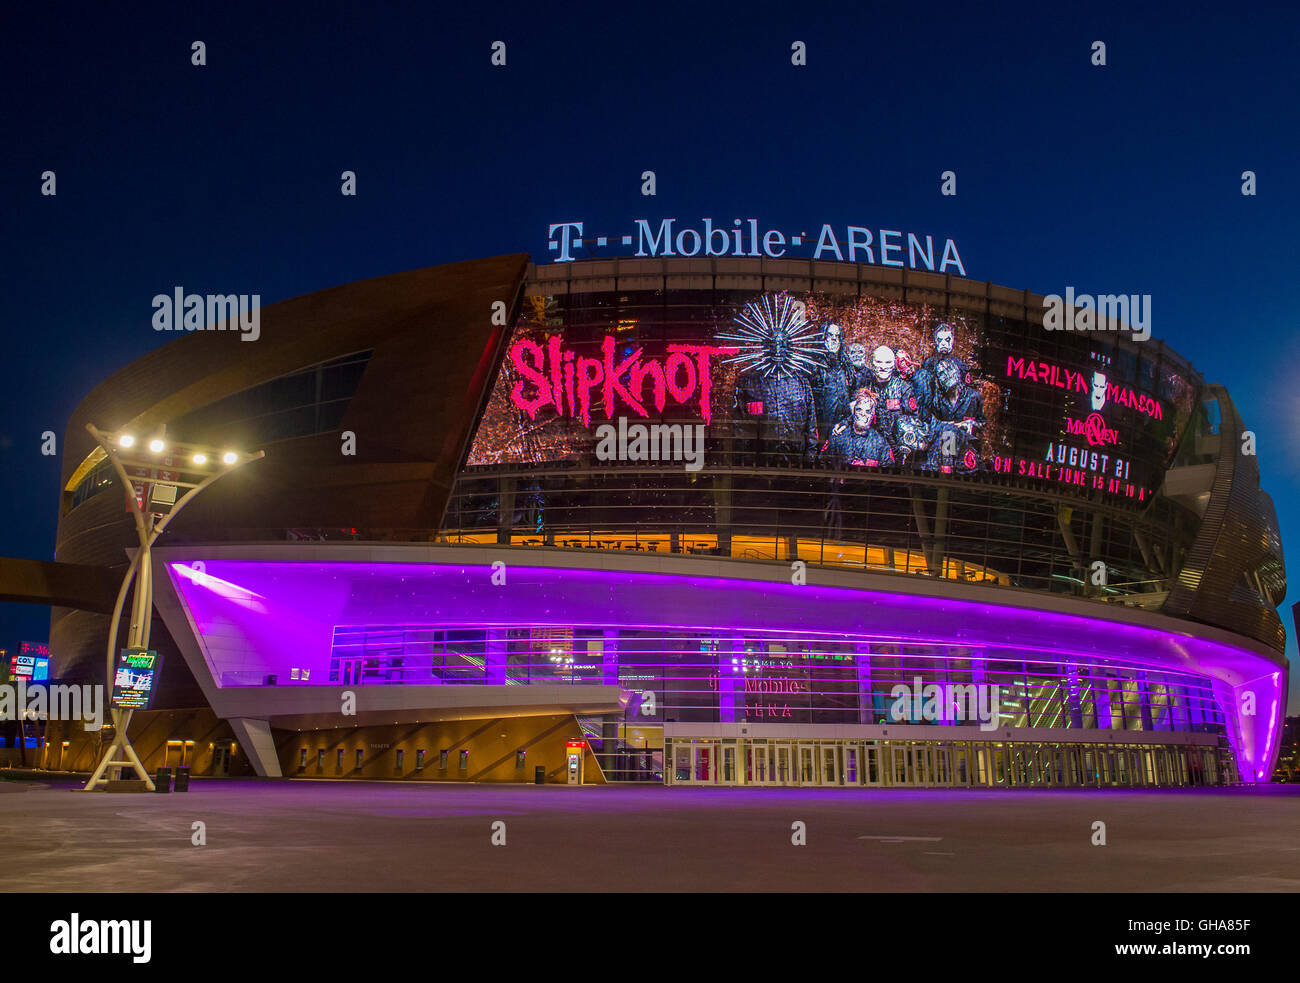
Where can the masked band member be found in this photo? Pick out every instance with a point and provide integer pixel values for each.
(956, 401)
(858, 373)
(905, 364)
(912, 436)
(855, 441)
(895, 396)
(830, 382)
(776, 353)
(958, 414)
(925, 380)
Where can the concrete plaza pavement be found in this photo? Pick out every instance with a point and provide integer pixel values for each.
(378, 836)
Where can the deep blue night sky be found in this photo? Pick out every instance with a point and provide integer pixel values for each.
(225, 178)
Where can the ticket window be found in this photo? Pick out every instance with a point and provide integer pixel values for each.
(574, 757)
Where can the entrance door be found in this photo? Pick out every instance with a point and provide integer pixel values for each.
(221, 760)
(851, 753)
(1076, 766)
(783, 766)
(943, 765)
(830, 764)
(704, 763)
(807, 765)
(873, 772)
(961, 765)
(681, 763)
(726, 774)
(898, 764)
(922, 764)
(756, 765)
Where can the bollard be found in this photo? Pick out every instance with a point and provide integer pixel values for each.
(183, 778)
(163, 780)
(539, 775)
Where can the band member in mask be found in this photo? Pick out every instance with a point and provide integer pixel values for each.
(925, 380)
(855, 441)
(958, 413)
(830, 382)
(895, 396)
(776, 353)
(858, 373)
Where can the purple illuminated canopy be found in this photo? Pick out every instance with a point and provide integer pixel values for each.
(254, 617)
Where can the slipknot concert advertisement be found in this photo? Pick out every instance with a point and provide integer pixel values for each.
(795, 381)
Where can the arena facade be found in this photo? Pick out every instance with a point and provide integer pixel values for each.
(699, 521)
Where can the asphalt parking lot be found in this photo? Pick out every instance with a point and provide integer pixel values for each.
(371, 836)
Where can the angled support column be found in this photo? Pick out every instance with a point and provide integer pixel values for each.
(1253, 714)
(254, 736)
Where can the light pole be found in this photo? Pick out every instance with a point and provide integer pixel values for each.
(161, 467)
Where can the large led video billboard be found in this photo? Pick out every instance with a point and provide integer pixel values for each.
(797, 381)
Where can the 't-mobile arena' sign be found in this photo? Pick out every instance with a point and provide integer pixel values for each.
(857, 244)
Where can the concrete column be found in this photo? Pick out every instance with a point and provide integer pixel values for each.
(722, 512)
(505, 508)
(254, 739)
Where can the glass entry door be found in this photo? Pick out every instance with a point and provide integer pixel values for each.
(726, 765)
(830, 762)
(757, 765)
(700, 764)
(898, 764)
(783, 765)
(873, 772)
(851, 754)
(922, 764)
(807, 765)
(681, 763)
(704, 763)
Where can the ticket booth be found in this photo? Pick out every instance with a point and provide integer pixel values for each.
(575, 755)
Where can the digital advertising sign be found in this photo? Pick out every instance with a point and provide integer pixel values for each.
(135, 679)
(32, 663)
(805, 381)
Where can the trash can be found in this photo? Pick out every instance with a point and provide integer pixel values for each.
(183, 778)
(163, 781)
(539, 775)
